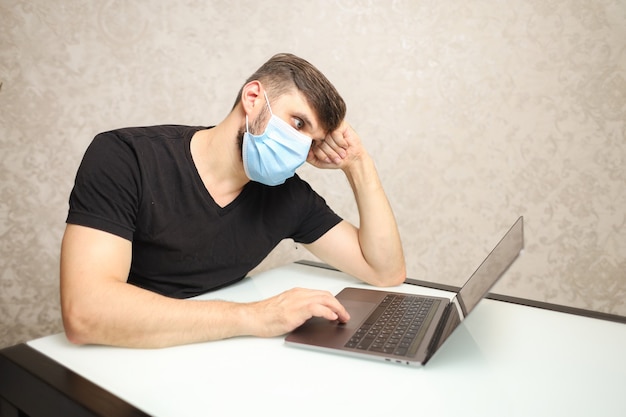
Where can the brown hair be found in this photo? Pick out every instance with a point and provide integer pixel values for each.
(283, 72)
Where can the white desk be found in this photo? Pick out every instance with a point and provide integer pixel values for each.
(505, 359)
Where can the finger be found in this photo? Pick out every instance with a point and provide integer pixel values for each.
(320, 155)
(338, 138)
(337, 308)
(338, 148)
(330, 313)
(342, 315)
(332, 151)
(324, 304)
(324, 312)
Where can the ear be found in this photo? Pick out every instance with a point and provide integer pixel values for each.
(251, 95)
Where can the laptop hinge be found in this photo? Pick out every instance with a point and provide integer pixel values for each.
(455, 301)
(448, 322)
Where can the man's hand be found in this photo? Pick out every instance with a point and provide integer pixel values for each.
(338, 149)
(284, 312)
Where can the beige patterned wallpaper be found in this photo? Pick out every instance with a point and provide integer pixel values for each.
(475, 111)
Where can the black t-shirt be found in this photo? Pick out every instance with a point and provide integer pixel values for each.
(141, 184)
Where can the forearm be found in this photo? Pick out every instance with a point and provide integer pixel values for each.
(124, 315)
(378, 232)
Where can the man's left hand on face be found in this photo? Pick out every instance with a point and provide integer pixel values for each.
(338, 149)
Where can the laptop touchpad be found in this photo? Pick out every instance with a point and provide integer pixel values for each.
(358, 308)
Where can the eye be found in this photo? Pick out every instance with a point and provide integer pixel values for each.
(298, 123)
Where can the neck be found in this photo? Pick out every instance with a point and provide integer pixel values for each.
(216, 153)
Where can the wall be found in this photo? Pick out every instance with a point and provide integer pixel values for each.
(475, 111)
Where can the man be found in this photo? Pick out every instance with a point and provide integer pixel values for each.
(160, 214)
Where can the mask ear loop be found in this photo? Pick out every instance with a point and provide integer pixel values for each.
(268, 103)
(268, 106)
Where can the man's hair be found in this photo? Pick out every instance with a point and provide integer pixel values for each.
(285, 71)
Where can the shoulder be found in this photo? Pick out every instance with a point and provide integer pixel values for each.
(119, 151)
(137, 134)
(136, 142)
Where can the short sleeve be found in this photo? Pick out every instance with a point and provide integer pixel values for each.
(317, 219)
(106, 191)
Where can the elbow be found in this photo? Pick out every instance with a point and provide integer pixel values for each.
(398, 278)
(73, 337)
(75, 325)
(390, 277)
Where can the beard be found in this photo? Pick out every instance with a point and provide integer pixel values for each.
(257, 126)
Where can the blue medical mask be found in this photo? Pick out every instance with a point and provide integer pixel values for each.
(274, 156)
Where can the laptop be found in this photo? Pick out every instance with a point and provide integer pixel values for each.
(406, 328)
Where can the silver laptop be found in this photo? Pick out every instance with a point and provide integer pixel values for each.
(406, 328)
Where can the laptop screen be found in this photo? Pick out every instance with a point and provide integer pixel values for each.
(492, 267)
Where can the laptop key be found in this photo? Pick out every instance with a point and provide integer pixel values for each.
(393, 326)
(365, 343)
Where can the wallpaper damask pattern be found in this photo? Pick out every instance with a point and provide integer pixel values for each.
(475, 112)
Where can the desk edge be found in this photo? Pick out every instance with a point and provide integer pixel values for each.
(501, 297)
(39, 386)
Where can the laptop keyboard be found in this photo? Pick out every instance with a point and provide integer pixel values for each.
(396, 326)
